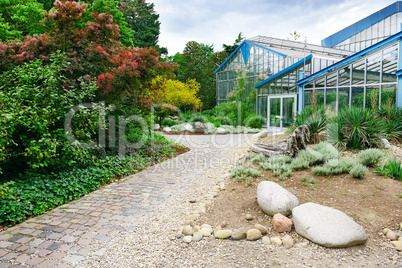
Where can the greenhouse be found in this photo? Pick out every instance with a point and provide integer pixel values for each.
(352, 67)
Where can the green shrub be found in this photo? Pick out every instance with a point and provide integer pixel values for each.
(392, 168)
(346, 164)
(240, 177)
(258, 158)
(280, 159)
(254, 121)
(236, 171)
(310, 156)
(358, 171)
(371, 157)
(321, 171)
(252, 172)
(167, 122)
(327, 150)
(316, 123)
(300, 163)
(287, 170)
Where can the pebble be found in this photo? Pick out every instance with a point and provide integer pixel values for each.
(392, 236)
(239, 234)
(222, 234)
(266, 240)
(187, 230)
(287, 241)
(192, 223)
(187, 239)
(276, 241)
(197, 236)
(261, 228)
(386, 230)
(397, 244)
(206, 232)
(179, 234)
(223, 224)
(253, 234)
(206, 226)
(196, 228)
(191, 217)
(249, 217)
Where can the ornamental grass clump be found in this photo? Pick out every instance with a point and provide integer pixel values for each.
(371, 157)
(358, 171)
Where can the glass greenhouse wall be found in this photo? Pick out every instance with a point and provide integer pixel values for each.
(353, 84)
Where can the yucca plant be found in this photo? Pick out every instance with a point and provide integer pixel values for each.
(393, 120)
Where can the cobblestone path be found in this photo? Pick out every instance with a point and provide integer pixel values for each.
(67, 235)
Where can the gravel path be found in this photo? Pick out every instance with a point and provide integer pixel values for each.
(133, 222)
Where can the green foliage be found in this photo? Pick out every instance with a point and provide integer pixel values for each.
(392, 168)
(327, 150)
(229, 49)
(356, 128)
(259, 158)
(358, 171)
(253, 120)
(252, 172)
(321, 171)
(335, 166)
(236, 171)
(371, 157)
(315, 121)
(249, 181)
(167, 122)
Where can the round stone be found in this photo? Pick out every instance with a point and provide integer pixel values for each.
(261, 228)
(187, 239)
(385, 231)
(287, 241)
(276, 241)
(266, 240)
(206, 226)
(206, 232)
(197, 236)
(249, 217)
(222, 234)
(239, 234)
(187, 230)
(196, 228)
(179, 234)
(223, 224)
(253, 234)
(392, 236)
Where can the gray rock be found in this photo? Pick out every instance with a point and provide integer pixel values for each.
(273, 198)
(261, 228)
(287, 241)
(167, 129)
(385, 144)
(221, 130)
(392, 236)
(188, 127)
(266, 240)
(157, 127)
(327, 226)
(179, 234)
(253, 234)
(187, 239)
(199, 127)
(239, 234)
(197, 236)
(249, 217)
(187, 230)
(276, 241)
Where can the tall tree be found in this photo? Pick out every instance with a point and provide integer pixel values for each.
(230, 48)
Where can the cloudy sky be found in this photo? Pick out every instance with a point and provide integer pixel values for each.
(219, 22)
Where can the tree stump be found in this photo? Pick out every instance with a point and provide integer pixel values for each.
(297, 141)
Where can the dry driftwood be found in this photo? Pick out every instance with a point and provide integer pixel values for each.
(297, 141)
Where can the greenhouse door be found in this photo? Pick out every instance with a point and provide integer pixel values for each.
(281, 110)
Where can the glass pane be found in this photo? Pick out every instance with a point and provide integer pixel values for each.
(390, 64)
(332, 79)
(275, 112)
(357, 96)
(262, 106)
(372, 96)
(358, 73)
(278, 88)
(320, 82)
(373, 68)
(331, 98)
(320, 97)
(307, 98)
(264, 89)
(344, 77)
(343, 98)
(285, 84)
(388, 92)
(288, 111)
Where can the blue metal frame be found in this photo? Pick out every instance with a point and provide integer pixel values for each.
(353, 58)
(246, 58)
(361, 25)
(285, 70)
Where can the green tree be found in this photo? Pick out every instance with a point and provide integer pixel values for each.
(230, 48)
(20, 18)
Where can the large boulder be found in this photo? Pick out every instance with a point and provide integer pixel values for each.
(199, 127)
(327, 227)
(273, 198)
(167, 129)
(221, 130)
(188, 127)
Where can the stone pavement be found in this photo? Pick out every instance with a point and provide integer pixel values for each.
(65, 236)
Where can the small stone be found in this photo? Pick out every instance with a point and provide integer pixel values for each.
(222, 234)
(281, 223)
(179, 234)
(206, 232)
(392, 236)
(249, 217)
(217, 228)
(261, 228)
(196, 228)
(287, 241)
(385, 231)
(266, 240)
(187, 239)
(192, 201)
(253, 234)
(191, 223)
(191, 217)
(197, 236)
(187, 230)
(397, 244)
(223, 224)
(206, 226)
(239, 234)
(276, 241)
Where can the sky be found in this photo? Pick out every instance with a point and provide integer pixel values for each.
(219, 22)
